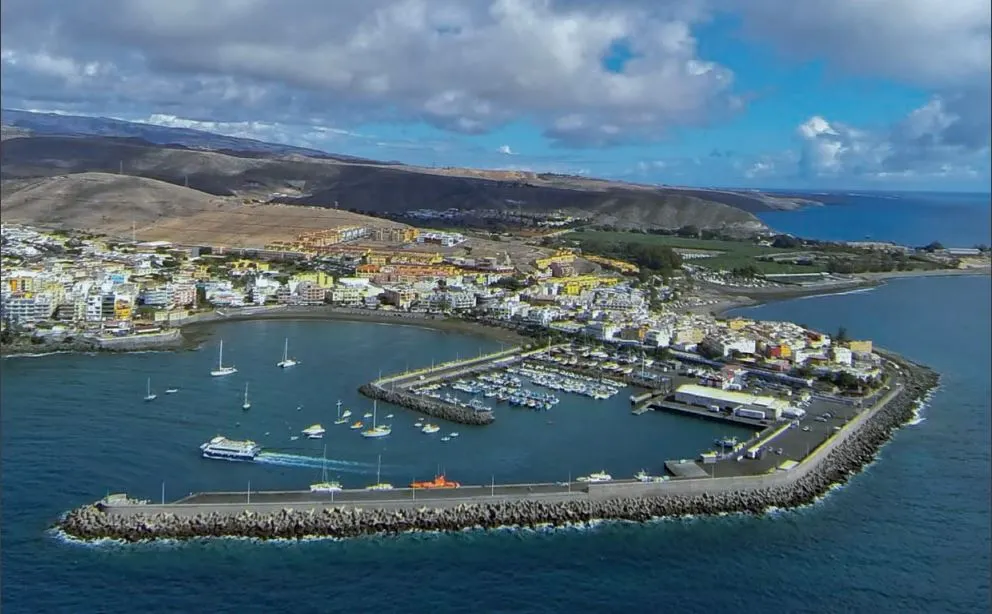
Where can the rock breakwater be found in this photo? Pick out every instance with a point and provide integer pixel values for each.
(427, 406)
(837, 466)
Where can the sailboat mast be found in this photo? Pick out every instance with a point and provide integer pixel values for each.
(285, 350)
(378, 470)
(220, 356)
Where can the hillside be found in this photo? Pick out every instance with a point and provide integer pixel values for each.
(108, 204)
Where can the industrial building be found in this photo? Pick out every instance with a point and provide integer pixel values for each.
(704, 396)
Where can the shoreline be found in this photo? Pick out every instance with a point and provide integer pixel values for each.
(832, 463)
(754, 297)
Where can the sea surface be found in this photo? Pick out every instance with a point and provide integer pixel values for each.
(910, 218)
(911, 534)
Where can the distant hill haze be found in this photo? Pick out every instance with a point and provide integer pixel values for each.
(36, 146)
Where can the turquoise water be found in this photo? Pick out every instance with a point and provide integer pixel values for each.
(912, 533)
(956, 220)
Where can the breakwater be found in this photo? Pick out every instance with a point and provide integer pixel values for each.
(427, 406)
(834, 462)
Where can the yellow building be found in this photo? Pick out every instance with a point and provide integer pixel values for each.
(18, 285)
(122, 310)
(573, 286)
(318, 278)
(561, 257)
(738, 323)
(247, 264)
(860, 346)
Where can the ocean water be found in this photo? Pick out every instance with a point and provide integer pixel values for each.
(910, 534)
(915, 218)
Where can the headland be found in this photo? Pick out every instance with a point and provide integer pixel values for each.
(745, 485)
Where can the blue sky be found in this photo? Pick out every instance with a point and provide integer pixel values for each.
(821, 94)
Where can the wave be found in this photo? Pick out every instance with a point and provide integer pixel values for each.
(40, 354)
(920, 405)
(314, 462)
(841, 293)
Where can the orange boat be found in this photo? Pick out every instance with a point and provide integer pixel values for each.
(439, 482)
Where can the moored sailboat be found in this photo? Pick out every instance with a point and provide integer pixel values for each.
(221, 370)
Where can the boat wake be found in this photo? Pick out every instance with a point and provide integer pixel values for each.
(313, 462)
(841, 293)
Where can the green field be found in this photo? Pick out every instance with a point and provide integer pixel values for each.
(735, 254)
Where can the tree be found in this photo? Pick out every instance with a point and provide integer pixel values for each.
(786, 242)
(688, 231)
(841, 335)
(933, 247)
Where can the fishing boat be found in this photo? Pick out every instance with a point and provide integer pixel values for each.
(246, 405)
(286, 361)
(356, 425)
(148, 391)
(380, 430)
(324, 486)
(314, 431)
(599, 476)
(439, 481)
(379, 484)
(221, 370)
(430, 428)
(341, 418)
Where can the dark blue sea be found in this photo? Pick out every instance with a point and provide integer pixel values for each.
(911, 534)
(910, 218)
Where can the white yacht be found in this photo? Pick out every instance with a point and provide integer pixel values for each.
(230, 449)
(148, 391)
(323, 486)
(376, 430)
(453, 434)
(341, 417)
(246, 404)
(430, 428)
(644, 476)
(171, 390)
(314, 431)
(221, 370)
(600, 476)
(379, 484)
(286, 361)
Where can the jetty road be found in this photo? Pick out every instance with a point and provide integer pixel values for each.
(469, 493)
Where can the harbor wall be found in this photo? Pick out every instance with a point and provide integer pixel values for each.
(833, 462)
(167, 338)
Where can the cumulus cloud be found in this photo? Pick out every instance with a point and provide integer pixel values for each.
(505, 150)
(467, 67)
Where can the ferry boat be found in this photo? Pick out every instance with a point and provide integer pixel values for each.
(221, 370)
(222, 448)
(430, 428)
(439, 481)
(600, 476)
(286, 361)
(314, 431)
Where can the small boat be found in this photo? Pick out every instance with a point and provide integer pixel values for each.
(294, 437)
(314, 431)
(346, 413)
(341, 418)
(599, 476)
(726, 442)
(418, 424)
(376, 431)
(246, 405)
(430, 428)
(389, 416)
(286, 361)
(379, 484)
(221, 370)
(452, 434)
(171, 390)
(148, 391)
(446, 438)
(367, 414)
(323, 486)
(356, 426)
(439, 481)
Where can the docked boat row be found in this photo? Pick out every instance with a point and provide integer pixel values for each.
(565, 381)
(618, 362)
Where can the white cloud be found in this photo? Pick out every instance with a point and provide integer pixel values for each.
(505, 150)
(465, 66)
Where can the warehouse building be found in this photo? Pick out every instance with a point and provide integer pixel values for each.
(705, 396)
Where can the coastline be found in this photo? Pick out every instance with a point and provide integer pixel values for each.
(753, 297)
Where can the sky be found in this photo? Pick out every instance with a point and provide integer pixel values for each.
(790, 94)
